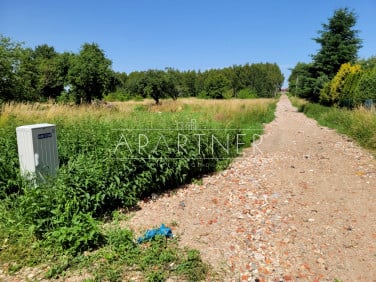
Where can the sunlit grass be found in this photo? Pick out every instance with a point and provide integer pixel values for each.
(220, 110)
(359, 123)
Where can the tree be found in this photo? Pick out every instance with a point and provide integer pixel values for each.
(339, 43)
(52, 69)
(174, 83)
(118, 81)
(275, 77)
(234, 75)
(28, 76)
(263, 79)
(216, 84)
(10, 55)
(157, 85)
(44, 52)
(90, 74)
(301, 80)
(134, 85)
(189, 83)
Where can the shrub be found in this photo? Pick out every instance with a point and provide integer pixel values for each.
(246, 93)
(117, 96)
(332, 93)
(66, 98)
(350, 97)
(366, 88)
(10, 181)
(75, 235)
(325, 97)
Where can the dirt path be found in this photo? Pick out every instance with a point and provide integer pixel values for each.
(298, 206)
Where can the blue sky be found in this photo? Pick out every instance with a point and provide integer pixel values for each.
(184, 34)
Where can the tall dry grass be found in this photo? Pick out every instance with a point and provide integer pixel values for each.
(42, 112)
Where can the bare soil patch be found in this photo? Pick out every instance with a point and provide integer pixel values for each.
(297, 206)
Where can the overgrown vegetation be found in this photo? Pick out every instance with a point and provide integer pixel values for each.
(103, 166)
(359, 124)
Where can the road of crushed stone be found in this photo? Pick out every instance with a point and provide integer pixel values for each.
(297, 206)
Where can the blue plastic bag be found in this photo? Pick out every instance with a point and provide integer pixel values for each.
(150, 234)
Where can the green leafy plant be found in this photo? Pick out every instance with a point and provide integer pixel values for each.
(60, 222)
(80, 234)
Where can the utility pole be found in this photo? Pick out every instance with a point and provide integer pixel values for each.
(296, 84)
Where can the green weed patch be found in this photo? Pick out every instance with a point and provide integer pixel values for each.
(110, 160)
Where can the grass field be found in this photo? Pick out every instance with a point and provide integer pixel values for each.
(62, 226)
(359, 123)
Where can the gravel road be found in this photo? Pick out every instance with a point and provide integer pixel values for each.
(297, 206)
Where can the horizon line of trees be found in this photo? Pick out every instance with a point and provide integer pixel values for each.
(238, 81)
(40, 74)
(336, 76)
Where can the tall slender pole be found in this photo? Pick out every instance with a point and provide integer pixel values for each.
(296, 84)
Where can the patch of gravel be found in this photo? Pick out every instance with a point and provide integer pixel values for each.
(297, 206)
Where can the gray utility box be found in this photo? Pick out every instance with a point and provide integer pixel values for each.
(37, 150)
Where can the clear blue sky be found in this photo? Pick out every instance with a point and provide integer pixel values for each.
(184, 34)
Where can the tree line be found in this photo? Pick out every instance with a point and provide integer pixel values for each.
(43, 73)
(336, 76)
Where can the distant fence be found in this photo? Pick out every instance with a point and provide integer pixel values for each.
(369, 104)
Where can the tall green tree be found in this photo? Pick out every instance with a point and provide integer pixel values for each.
(90, 74)
(234, 75)
(216, 84)
(44, 52)
(174, 82)
(10, 56)
(189, 83)
(265, 79)
(52, 69)
(119, 80)
(339, 43)
(156, 84)
(29, 77)
(304, 83)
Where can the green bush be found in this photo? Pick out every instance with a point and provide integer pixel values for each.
(228, 94)
(75, 235)
(246, 93)
(350, 97)
(117, 96)
(66, 98)
(203, 95)
(333, 92)
(366, 88)
(10, 181)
